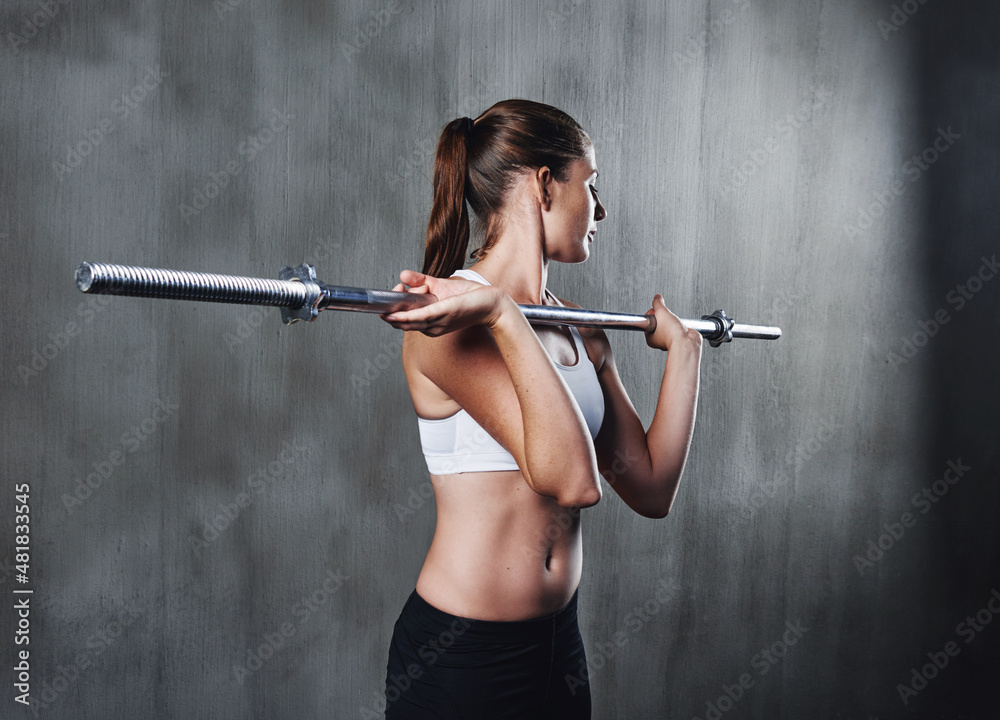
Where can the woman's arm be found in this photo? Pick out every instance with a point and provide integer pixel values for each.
(645, 467)
(559, 455)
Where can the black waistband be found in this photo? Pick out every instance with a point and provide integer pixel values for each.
(539, 628)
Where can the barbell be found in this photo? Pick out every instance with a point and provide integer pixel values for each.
(301, 297)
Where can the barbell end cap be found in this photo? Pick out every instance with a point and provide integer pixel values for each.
(84, 277)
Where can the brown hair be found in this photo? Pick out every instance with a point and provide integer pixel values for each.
(477, 161)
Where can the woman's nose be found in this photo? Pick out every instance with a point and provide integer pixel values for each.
(599, 212)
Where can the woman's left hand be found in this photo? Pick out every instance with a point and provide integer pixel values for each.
(669, 328)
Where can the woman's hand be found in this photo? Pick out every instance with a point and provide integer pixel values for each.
(669, 328)
(461, 303)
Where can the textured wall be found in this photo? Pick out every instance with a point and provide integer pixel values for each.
(227, 514)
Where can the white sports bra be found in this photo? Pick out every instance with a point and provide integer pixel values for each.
(458, 444)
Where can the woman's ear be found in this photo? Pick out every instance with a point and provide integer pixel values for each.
(543, 187)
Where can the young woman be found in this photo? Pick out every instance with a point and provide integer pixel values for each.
(518, 424)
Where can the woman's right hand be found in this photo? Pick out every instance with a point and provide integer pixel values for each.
(461, 303)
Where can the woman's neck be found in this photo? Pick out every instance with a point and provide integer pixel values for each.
(516, 262)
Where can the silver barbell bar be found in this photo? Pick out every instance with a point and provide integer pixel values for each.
(301, 297)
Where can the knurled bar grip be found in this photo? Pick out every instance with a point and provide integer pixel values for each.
(108, 279)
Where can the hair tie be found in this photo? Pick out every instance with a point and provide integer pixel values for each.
(467, 124)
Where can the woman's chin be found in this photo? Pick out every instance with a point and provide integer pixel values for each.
(581, 253)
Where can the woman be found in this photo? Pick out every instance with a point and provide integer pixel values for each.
(518, 424)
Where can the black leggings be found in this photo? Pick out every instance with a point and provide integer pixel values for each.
(445, 666)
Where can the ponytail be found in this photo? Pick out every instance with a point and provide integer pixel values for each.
(448, 229)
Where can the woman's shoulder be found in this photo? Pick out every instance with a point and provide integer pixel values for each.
(420, 350)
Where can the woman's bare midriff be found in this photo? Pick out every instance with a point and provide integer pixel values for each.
(500, 550)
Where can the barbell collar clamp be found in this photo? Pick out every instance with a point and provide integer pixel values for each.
(725, 325)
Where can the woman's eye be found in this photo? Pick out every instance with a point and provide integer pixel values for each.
(594, 189)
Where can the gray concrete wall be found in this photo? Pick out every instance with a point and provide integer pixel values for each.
(753, 157)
